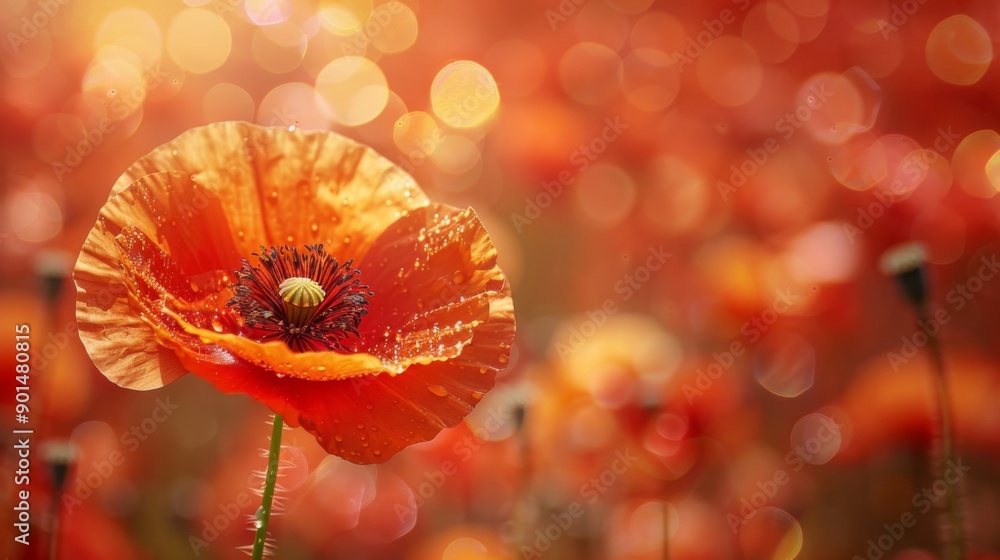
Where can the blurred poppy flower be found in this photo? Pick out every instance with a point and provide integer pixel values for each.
(301, 269)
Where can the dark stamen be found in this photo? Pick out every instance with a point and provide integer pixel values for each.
(305, 299)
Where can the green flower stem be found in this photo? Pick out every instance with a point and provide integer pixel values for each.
(955, 545)
(264, 513)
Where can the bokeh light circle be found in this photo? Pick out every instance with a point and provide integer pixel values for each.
(770, 534)
(345, 17)
(199, 40)
(729, 71)
(353, 90)
(395, 27)
(590, 73)
(465, 548)
(959, 50)
(464, 94)
(33, 216)
(227, 102)
(604, 194)
(784, 363)
(267, 12)
(133, 29)
(816, 438)
(971, 163)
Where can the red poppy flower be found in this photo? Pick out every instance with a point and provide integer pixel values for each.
(301, 269)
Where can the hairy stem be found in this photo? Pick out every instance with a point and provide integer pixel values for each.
(264, 513)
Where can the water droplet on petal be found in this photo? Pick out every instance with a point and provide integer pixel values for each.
(438, 390)
(338, 437)
(477, 395)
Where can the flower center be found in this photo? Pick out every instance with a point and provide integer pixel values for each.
(304, 298)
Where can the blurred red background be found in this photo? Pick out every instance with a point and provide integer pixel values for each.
(689, 200)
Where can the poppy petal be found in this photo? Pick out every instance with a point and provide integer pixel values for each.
(275, 186)
(121, 344)
(224, 175)
(368, 419)
(428, 272)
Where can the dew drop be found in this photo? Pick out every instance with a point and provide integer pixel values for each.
(314, 227)
(338, 437)
(361, 426)
(274, 195)
(216, 324)
(377, 452)
(478, 395)
(438, 390)
(503, 358)
(347, 240)
(240, 234)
